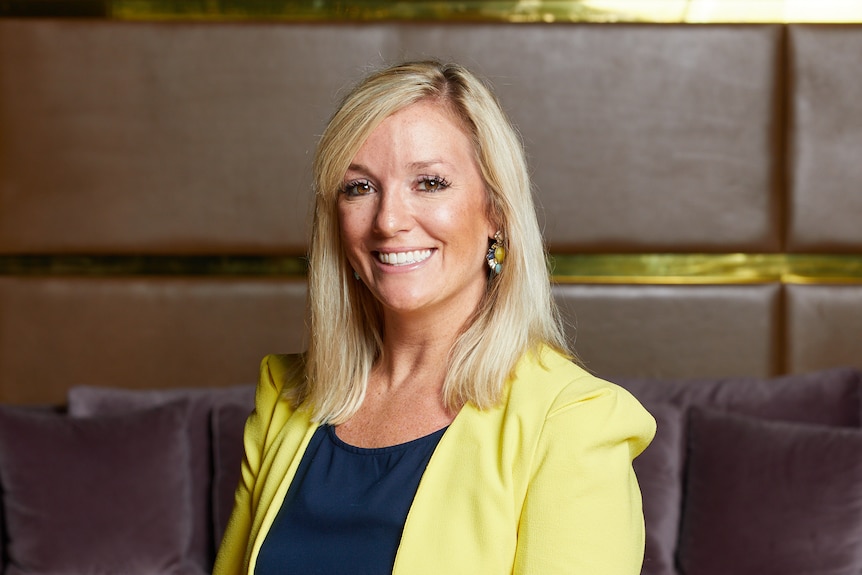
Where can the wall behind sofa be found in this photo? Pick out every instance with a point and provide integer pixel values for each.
(699, 188)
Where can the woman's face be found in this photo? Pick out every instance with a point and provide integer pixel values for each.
(413, 215)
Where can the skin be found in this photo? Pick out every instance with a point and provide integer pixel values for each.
(415, 189)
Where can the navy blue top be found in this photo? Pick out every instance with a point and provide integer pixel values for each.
(345, 509)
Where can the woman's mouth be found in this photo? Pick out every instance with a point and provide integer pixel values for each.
(403, 258)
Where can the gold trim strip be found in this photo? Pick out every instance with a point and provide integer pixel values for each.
(360, 11)
(645, 269)
(700, 269)
(601, 11)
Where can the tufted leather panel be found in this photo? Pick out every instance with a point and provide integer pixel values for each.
(825, 187)
(140, 332)
(674, 331)
(824, 327)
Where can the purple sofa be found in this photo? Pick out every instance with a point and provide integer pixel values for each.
(745, 476)
(123, 482)
(753, 476)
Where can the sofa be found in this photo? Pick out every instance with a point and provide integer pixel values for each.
(753, 476)
(745, 476)
(120, 482)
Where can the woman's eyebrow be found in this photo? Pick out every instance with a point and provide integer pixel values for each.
(428, 163)
(419, 165)
(357, 168)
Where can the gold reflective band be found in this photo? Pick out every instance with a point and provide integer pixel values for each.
(698, 269)
(660, 11)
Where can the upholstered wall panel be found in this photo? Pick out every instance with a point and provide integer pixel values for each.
(652, 138)
(825, 139)
(148, 139)
(123, 138)
(674, 331)
(120, 137)
(140, 332)
(824, 326)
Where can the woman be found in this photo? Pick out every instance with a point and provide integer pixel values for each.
(436, 423)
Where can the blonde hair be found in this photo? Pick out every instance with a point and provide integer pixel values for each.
(517, 313)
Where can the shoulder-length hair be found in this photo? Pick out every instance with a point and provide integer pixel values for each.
(517, 313)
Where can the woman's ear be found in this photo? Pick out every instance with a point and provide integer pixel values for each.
(493, 217)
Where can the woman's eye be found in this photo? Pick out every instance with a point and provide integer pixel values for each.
(432, 184)
(357, 188)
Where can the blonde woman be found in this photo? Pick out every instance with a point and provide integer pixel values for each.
(436, 424)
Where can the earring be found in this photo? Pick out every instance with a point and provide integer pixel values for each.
(355, 275)
(496, 253)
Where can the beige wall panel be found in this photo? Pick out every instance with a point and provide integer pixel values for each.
(674, 331)
(825, 139)
(125, 137)
(141, 333)
(824, 327)
(641, 138)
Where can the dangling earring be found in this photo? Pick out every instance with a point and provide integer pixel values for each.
(496, 253)
(355, 275)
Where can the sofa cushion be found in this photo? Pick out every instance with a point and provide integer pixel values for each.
(228, 424)
(770, 497)
(659, 473)
(829, 397)
(96, 495)
(89, 400)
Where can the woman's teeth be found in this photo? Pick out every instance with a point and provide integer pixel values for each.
(403, 258)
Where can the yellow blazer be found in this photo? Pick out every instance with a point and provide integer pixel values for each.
(540, 485)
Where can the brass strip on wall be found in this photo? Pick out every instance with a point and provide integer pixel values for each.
(695, 269)
(644, 269)
(603, 11)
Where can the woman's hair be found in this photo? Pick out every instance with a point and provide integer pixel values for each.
(517, 313)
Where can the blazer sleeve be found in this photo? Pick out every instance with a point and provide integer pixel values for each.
(233, 552)
(582, 513)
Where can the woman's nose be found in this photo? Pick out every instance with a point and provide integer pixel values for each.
(393, 213)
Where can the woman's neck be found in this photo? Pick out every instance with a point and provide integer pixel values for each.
(417, 347)
(404, 399)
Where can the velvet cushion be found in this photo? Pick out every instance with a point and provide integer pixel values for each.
(659, 473)
(228, 424)
(89, 400)
(767, 497)
(96, 495)
(829, 397)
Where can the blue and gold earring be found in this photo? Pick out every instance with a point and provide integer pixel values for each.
(496, 253)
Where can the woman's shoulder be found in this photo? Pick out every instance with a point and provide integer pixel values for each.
(548, 374)
(282, 371)
(280, 376)
(274, 398)
(550, 382)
